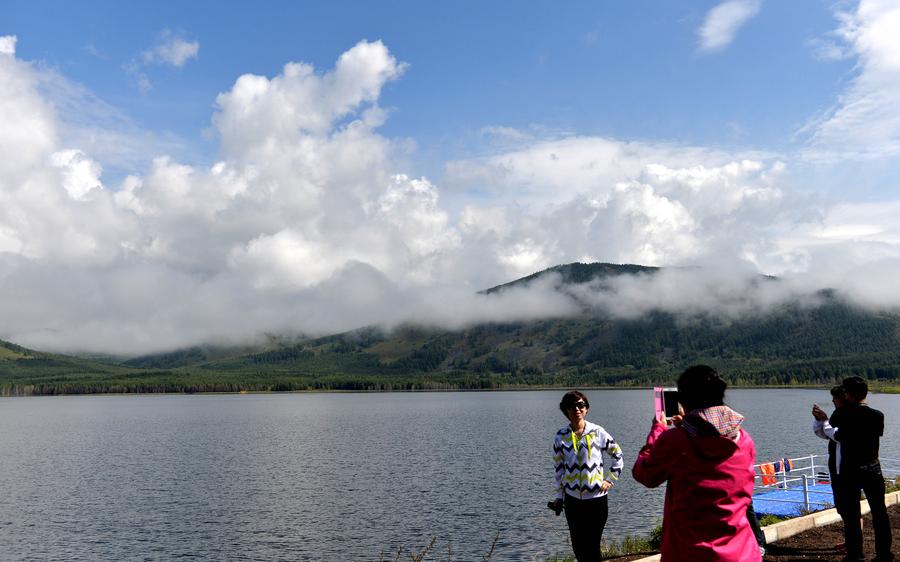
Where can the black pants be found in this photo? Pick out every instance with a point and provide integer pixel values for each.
(754, 525)
(869, 479)
(586, 519)
(837, 490)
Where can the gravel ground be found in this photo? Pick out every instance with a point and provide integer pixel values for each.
(819, 544)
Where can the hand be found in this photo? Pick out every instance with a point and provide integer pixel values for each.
(606, 485)
(676, 420)
(818, 413)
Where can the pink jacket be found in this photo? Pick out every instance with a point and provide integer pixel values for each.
(710, 485)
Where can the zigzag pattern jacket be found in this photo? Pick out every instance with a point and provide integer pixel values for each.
(579, 461)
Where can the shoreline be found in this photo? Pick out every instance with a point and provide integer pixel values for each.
(529, 388)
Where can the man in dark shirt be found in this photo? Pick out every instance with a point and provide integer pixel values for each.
(826, 431)
(858, 428)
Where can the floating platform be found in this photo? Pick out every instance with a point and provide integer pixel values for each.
(791, 502)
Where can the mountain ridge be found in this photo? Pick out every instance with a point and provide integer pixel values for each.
(793, 344)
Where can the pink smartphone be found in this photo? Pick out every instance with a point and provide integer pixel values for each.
(665, 402)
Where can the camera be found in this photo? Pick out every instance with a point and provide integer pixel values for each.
(555, 506)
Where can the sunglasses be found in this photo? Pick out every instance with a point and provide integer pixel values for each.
(580, 405)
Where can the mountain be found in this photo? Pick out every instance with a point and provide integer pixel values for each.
(25, 371)
(576, 273)
(794, 344)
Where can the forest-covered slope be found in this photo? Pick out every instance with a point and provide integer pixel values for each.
(795, 344)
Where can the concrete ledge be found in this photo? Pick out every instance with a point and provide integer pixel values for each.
(791, 527)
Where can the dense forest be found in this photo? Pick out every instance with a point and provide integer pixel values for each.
(797, 344)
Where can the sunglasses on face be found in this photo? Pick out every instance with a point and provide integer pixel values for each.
(580, 405)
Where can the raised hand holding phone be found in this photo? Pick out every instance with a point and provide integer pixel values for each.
(818, 413)
(665, 401)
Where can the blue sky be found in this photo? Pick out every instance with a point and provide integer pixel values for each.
(189, 172)
(624, 70)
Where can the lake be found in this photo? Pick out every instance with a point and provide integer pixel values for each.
(329, 476)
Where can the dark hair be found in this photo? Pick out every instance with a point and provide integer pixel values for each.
(701, 387)
(856, 388)
(839, 392)
(569, 399)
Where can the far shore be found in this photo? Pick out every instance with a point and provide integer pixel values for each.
(873, 390)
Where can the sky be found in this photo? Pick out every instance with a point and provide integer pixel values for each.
(216, 172)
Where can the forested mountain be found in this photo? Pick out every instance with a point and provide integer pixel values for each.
(25, 371)
(795, 344)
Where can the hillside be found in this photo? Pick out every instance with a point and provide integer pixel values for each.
(25, 371)
(792, 345)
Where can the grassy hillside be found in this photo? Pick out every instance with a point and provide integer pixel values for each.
(793, 345)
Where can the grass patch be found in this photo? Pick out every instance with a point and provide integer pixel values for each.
(892, 485)
(630, 544)
(766, 520)
(7, 354)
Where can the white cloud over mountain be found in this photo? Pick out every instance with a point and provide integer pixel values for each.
(309, 224)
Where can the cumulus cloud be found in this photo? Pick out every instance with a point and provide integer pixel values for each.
(722, 23)
(593, 199)
(306, 186)
(308, 223)
(865, 122)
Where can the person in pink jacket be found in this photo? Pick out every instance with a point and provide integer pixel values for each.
(707, 462)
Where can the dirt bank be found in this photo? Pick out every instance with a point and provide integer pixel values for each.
(818, 544)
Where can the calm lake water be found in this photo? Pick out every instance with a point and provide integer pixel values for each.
(328, 476)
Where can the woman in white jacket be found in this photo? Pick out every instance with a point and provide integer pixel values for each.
(582, 483)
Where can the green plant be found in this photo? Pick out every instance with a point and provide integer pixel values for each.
(656, 536)
(631, 544)
(892, 485)
(771, 520)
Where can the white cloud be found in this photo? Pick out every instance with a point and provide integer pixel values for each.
(865, 122)
(8, 45)
(724, 21)
(258, 113)
(727, 290)
(172, 50)
(546, 171)
(79, 174)
(614, 201)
